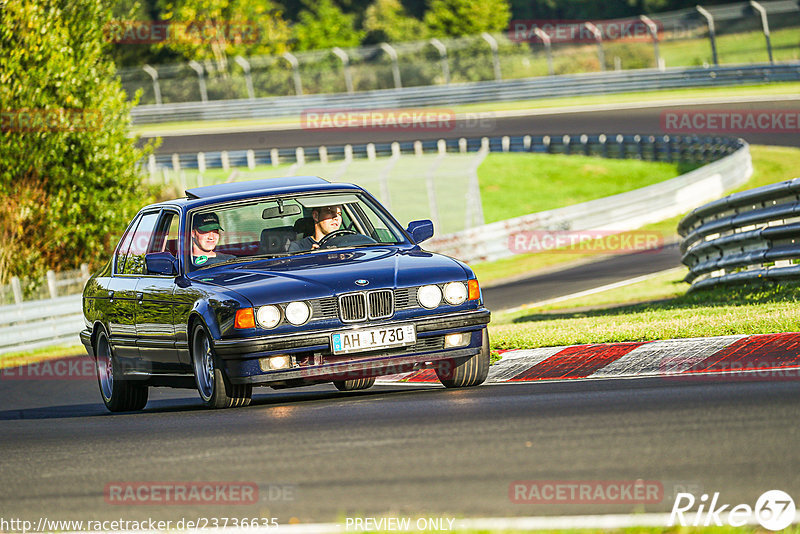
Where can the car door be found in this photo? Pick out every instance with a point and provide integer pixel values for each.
(128, 267)
(155, 330)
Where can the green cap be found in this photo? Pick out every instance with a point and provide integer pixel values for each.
(205, 222)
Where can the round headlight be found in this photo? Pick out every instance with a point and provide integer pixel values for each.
(429, 296)
(268, 316)
(455, 293)
(297, 313)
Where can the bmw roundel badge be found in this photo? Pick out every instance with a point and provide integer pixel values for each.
(362, 282)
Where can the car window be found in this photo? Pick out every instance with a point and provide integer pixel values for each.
(271, 226)
(124, 246)
(134, 261)
(166, 235)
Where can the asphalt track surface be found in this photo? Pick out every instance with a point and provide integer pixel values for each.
(627, 121)
(397, 450)
(569, 280)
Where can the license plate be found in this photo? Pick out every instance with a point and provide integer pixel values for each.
(374, 338)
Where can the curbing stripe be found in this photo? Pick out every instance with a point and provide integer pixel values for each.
(766, 351)
(578, 361)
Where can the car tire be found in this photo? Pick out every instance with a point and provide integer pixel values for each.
(470, 372)
(119, 395)
(216, 390)
(354, 384)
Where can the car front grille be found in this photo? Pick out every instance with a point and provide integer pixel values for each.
(355, 307)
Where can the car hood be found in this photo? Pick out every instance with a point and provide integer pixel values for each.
(323, 274)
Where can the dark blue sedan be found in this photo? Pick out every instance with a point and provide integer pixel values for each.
(282, 282)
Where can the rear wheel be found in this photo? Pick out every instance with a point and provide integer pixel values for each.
(215, 389)
(354, 384)
(119, 394)
(470, 372)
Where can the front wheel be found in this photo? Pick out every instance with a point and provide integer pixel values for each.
(119, 395)
(215, 389)
(470, 372)
(354, 384)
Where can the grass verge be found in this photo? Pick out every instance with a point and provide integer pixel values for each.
(770, 163)
(13, 359)
(746, 309)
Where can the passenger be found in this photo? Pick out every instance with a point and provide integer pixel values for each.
(327, 219)
(205, 237)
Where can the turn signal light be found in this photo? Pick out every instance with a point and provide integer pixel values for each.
(474, 290)
(244, 318)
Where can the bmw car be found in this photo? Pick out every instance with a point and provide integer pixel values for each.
(282, 282)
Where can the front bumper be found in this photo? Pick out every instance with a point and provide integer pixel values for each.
(241, 357)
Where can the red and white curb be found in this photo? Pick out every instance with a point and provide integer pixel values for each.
(767, 356)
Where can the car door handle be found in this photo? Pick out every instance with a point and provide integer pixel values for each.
(110, 295)
(139, 296)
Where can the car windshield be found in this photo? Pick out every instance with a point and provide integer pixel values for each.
(288, 225)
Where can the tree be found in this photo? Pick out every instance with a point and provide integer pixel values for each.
(324, 26)
(452, 18)
(386, 20)
(68, 172)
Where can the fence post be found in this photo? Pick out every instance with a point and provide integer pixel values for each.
(248, 77)
(251, 160)
(639, 146)
(323, 155)
(541, 34)
(274, 157)
(603, 145)
(176, 162)
(348, 77)
(418, 148)
(300, 156)
(392, 53)
(441, 147)
(764, 26)
(225, 159)
(462, 145)
(201, 80)
(156, 86)
(567, 142)
(505, 142)
(439, 46)
(85, 271)
(51, 284)
(526, 143)
(585, 144)
(652, 27)
(546, 144)
(201, 162)
(292, 59)
(371, 151)
(623, 153)
(495, 56)
(711, 32)
(598, 36)
(16, 288)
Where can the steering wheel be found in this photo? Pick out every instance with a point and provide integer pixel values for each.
(333, 235)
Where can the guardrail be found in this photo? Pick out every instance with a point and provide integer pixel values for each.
(470, 93)
(40, 323)
(48, 322)
(751, 235)
(626, 211)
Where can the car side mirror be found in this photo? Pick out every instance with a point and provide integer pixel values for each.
(420, 230)
(163, 263)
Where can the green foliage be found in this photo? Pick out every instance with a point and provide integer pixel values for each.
(467, 17)
(68, 178)
(230, 28)
(387, 20)
(324, 25)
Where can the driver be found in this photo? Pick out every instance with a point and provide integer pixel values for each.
(205, 237)
(327, 219)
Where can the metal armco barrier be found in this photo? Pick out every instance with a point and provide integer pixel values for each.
(470, 93)
(618, 213)
(40, 323)
(751, 235)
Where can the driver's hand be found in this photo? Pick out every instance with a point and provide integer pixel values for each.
(314, 246)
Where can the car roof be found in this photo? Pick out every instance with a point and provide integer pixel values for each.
(198, 196)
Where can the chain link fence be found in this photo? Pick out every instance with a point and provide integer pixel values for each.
(743, 32)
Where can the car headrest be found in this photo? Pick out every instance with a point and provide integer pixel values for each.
(304, 226)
